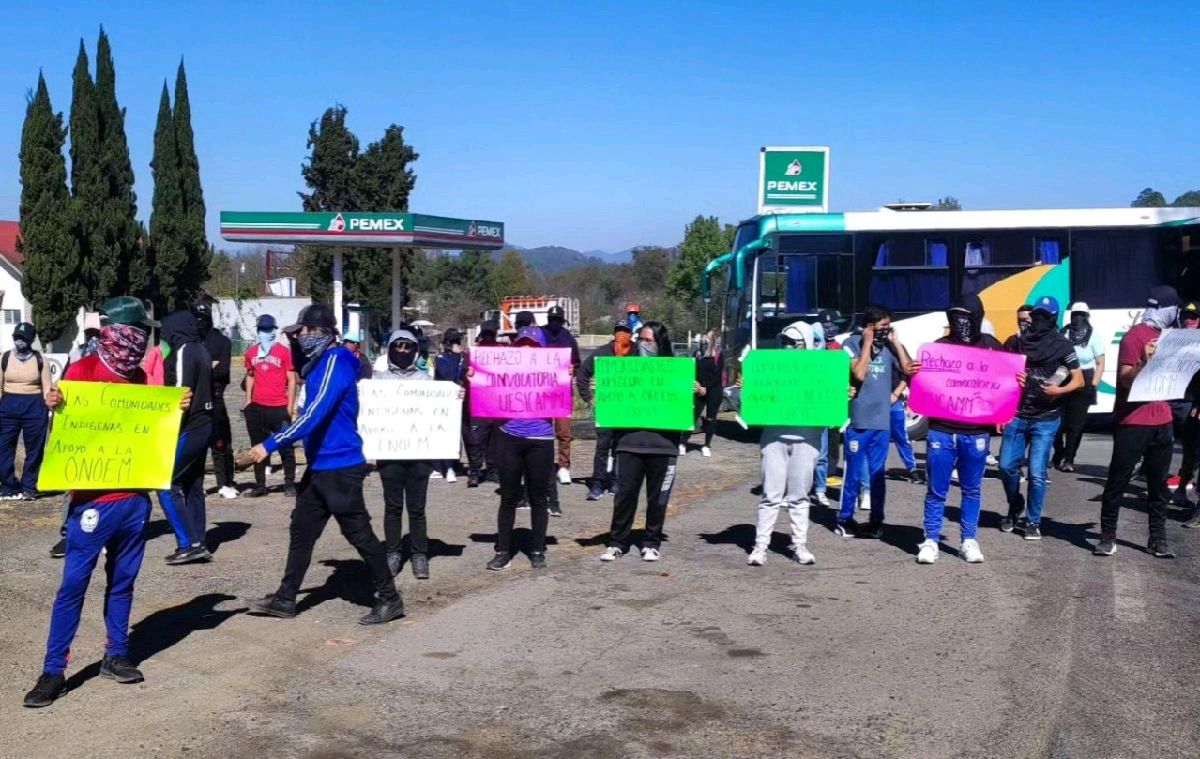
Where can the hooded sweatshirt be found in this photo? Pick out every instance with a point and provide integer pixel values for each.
(973, 306)
(189, 365)
(412, 373)
(328, 423)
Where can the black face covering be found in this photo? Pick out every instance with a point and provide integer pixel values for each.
(1037, 342)
(1079, 332)
(402, 359)
(1022, 326)
(964, 328)
(882, 335)
(554, 326)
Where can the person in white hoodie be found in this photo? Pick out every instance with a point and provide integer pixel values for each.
(789, 459)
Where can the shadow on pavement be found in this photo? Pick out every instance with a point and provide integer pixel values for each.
(522, 539)
(163, 629)
(225, 532)
(350, 581)
(743, 536)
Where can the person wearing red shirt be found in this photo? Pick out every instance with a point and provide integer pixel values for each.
(270, 401)
(1141, 431)
(99, 520)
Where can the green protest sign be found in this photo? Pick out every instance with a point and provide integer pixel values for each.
(645, 393)
(795, 388)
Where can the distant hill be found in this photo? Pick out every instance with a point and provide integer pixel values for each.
(555, 259)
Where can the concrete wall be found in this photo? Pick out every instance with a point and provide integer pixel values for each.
(244, 314)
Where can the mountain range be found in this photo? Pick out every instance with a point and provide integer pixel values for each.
(554, 259)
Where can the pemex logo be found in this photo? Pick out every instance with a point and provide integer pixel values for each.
(338, 224)
(472, 230)
(794, 169)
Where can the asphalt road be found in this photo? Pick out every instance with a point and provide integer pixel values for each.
(1043, 650)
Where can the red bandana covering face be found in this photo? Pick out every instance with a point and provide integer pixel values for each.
(122, 348)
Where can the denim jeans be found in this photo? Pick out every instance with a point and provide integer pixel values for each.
(1039, 437)
(900, 436)
(821, 475)
(945, 453)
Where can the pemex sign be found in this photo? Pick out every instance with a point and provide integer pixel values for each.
(793, 180)
(382, 230)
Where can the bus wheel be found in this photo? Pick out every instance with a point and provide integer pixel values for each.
(916, 425)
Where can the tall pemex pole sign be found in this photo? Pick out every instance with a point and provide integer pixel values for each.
(793, 180)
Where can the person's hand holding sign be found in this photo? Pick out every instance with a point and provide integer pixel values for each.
(185, 402)
(54, 398)
(1149, 351)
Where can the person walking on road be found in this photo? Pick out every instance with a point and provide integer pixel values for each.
(1089, 349)
(221, 350)
(602, 458)
(709, 368)
(24, 385)
(1141, 431)
(332, 485)
(482, 432)
(270, 400)
(558, 336)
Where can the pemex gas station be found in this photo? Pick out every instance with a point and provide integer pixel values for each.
(362, 230)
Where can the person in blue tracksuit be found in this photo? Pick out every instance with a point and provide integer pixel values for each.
(900, 429)
(188, 364)
(332, 485)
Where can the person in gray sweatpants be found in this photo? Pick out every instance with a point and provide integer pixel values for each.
(789, 459)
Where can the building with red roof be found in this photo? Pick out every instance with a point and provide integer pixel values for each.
(14, 308)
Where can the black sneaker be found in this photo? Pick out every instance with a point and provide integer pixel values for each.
(395, 560)
(47, 689)
(257, 491)
(499, 561)
(1190, 524)
(847, 529)
(916, 476)
(420, 566)
(473, 480)
(191, 555)
(874, 530)
(1068, 467)
(384, 611)
(1160, 549)
(537, 560)
(59, 549)
(595, 491)
(289, 489)
(756, 490)
(555, 510)
(1008, 523)
(119, 668)
(1106, 547)
(272, 606)
(1033, 532)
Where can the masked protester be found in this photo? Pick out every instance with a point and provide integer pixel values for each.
(24, 383)
(644, 456)
(602, 459)
(188, 365)
(707, 399)
(558, 336)
(221, 350)
(112, 519)
(1141, 431)
(1024, 320)
(332, 485)
(952, 445)
(451, 366)
(481, 432)
(1089, 349)
(270, 401)
(873, 354)
(825, 331)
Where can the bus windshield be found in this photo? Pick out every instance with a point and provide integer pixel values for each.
(795, 284)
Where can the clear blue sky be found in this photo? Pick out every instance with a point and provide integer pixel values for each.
(607, 125)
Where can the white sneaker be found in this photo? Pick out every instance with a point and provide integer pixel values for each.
(864, 501)
(823, 500)
(801, 555)
(758, 557)
(228, 492)
(683, 450)
(270, 471)
(954, 476)
(971, 553)
(928, 553)
(564, 476)
(612, 553)
(435, 475)
(991, 460)
(650, 554)
(451, 476)
(706, 452)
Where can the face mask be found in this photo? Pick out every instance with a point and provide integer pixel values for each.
(1079, 321)
(554, 327)
(963, 329)
(206, 325)
(266, 340)
(22, 347)
(1190, 322)
(402, 359)
(647, 349)
(122, 348)
(314, 344)
(1044, 320)
(1023, 326)
(622, 343)
(487, 338)
(164, 349)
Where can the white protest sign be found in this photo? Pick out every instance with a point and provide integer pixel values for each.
(1166, 376)
(409, 419)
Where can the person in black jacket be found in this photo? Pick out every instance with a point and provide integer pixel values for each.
(220, 350)
(188, 364)
(480, 432)
(621, 345)
(451, 366)
(708, 395)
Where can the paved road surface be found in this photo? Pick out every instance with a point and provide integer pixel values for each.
(1044, 650)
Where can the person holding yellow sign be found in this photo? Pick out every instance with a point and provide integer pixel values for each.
(107, 519)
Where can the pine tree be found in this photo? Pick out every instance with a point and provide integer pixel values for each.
(118, 246)
(48, 243)
(88, 189)
(329, 174)
(195, 240)
(167, 221)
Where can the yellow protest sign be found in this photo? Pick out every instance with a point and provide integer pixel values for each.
(107, 436)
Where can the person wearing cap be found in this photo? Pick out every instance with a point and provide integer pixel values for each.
(1052, 374)
(558, 336)
(1141, 430)
(270, 400)
(526, 451)
(24, 383)
(1089, 349)
(602, 458)
(332, 485)
(953, 445)
(481, 432)
(353, 343)
(633, 315)
(221, 350)
(524, 319)
(451, 366)
(109, 519)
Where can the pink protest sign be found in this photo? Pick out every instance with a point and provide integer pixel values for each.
(521, 383)
(971, 385)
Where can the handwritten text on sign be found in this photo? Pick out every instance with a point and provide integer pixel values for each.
(645, 393)
(970, 385)
(1175, 361)
(401, 420)
(796, 388)
(521, 383)
(107, 436)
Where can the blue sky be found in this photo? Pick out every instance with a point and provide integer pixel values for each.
(609, 125)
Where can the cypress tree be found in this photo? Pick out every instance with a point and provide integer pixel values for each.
(116, 216)
(47, 241)
(167, 222)
(199, 256)
(329, 173)
(88, 189)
